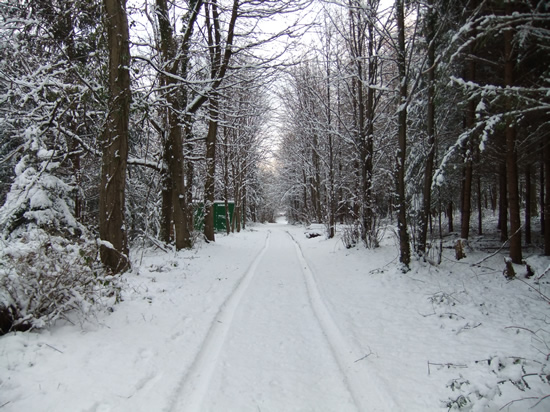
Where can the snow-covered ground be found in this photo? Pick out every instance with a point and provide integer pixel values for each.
(271, 320)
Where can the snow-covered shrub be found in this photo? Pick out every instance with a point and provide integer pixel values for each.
(38, 197)
(48, 260)
(374, 234)
(492, 377)
(44, 278)
(351, 234)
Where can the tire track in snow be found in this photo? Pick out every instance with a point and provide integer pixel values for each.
(363, 384)
(194, 385)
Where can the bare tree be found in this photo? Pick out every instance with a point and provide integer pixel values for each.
(114, 142)
(220, 56)
(175, 67)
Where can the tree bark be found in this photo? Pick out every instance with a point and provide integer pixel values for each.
(166, 223)
(511, 153)
(316, 181)
(214, 47)
(304, 210)
(503, 203)
(114, 141)
(175, 61)
(547, 199)
(244, 206)
(176, 165)
(209, 182)
(466, 209)
(404, 247)
(430, 130)
(331, 195)
(368, 218)
(450, 216)
(493, 198)
(541, 189)
(361, 115)
(77, 170)
(225, 147)
(237, 172)
(479, 207)
(189, 176)
(528, 195)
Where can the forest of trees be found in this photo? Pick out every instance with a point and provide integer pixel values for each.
(118, 119)
(423, 109)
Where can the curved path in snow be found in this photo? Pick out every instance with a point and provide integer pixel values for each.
(274, 346)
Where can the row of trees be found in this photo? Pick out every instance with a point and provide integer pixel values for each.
(125, 116)
(416, 110)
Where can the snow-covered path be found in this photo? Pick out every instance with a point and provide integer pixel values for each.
(274, 345)
(271, 320)
(234, 326)
(271, 334)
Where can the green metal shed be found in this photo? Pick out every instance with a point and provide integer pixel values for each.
(220, 224)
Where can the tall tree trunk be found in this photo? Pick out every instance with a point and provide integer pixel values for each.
(466, 209)
(369, 218)
(528, 195)
(209, 182)
(469, 120)
(244, 205)
(541, 189)
(430, 130)
(225, 147)
(450, 216)
(237, 196)
(175, 61)
(215, 50)
(66, 34)
(77, 170)
(493, 198)
(114, 141)
(479, 207)
(503, 203)
(189, 178)
(362, 21)
(166, 208)
(360, 167)
(547, 199)
(179, 198)
(511, 152)
(304, 211)
(331, 195)
(404, 247)
(316, 186)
